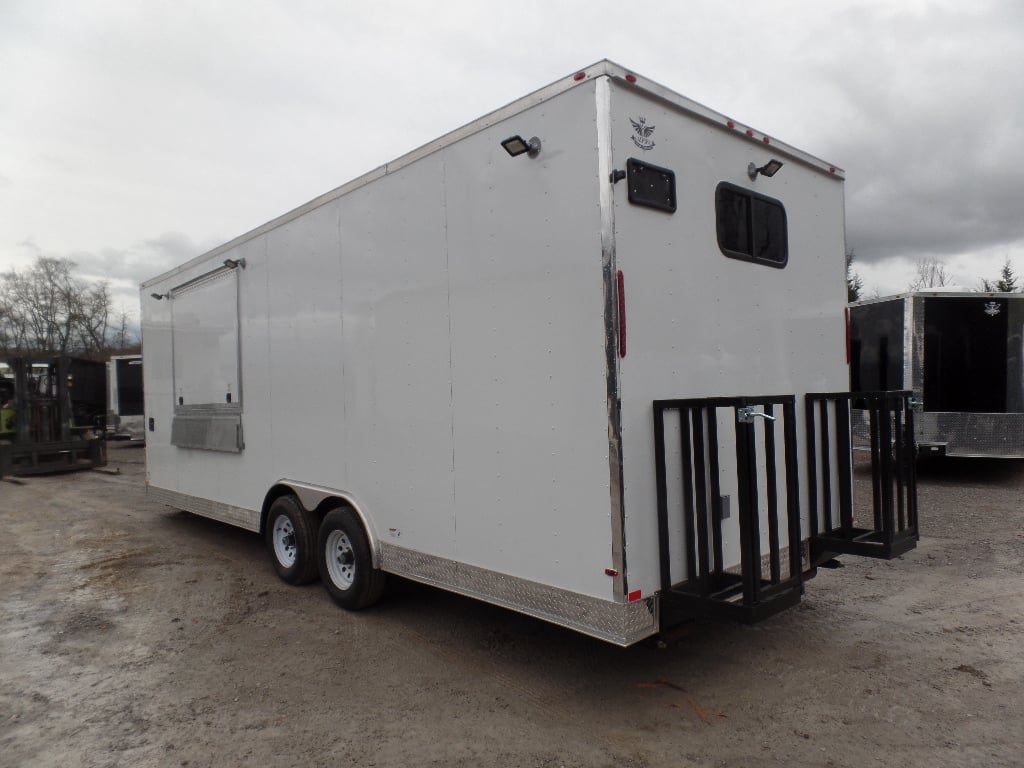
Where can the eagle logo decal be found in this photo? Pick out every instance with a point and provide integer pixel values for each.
(992, 308)
(642, 133)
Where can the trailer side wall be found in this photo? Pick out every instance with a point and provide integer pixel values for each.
(431, 346)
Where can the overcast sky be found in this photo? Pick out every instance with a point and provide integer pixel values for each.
(135, 135)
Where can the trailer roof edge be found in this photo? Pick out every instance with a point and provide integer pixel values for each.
(930, 294)
(602, 68)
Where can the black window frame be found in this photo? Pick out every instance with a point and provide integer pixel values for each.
(756, 207)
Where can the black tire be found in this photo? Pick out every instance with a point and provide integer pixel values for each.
(346, 564)
(291, 541)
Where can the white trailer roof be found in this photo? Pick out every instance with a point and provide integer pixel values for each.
(956, 292)
(603, 68)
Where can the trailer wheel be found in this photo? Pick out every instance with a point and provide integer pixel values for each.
(346, 565)
(291, 540)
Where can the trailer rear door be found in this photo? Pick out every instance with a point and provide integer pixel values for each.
(729, 288)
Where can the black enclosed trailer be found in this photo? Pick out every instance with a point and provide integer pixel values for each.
(960, 354)
(125, 402)
(52, 415)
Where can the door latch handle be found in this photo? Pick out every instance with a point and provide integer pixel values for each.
(747, 414)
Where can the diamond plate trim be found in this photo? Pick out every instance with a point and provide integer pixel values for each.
(210, 432)
(973, 434)
(243, 518)
(913, 353)
(619, 623)
(766, 562)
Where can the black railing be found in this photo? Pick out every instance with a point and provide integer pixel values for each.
(766, 582)
(889, 528)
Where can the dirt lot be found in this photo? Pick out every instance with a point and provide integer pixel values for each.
(135, 635)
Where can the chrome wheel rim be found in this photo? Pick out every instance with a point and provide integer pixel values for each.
(284, 541)
(341, 559)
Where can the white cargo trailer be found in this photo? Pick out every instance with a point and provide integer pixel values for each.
(125, 408)
(559, 359)
(960, 353)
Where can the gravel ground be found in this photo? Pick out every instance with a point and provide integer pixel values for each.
(135, 635)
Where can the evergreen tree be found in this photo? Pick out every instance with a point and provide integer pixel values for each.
(854, 283)
(1007, 282)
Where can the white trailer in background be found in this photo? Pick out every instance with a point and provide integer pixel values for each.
(537, 362)
(125, 406)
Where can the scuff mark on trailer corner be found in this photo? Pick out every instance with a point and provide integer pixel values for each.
(606, 185)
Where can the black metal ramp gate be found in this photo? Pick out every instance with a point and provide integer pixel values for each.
(766, 582)
(770, 575)
(889, 527)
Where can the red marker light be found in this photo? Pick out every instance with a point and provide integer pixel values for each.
(831, 170)
(750, 132)
(633, 596)
(579, 76)
(630, 78)
(610, 572)
(730, 124)
(766, 140)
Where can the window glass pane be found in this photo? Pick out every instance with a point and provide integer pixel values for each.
(750, 226)
(770, 231)
(733, 211)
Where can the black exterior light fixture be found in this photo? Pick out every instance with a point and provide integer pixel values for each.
(234, 263)
(158, 296)
(517, 145)
(768, 170)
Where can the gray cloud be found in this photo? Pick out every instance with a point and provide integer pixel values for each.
(124, 269)
(931, 115)
(209, 119)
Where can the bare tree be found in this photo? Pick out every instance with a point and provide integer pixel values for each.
(10, 330)
(45, 308)
(930, 273)
(123, 337)
(92, 309)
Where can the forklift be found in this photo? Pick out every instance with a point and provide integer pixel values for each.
(52, 415)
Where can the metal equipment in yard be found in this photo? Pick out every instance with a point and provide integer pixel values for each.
(51, 415)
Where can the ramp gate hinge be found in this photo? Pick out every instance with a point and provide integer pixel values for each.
(746, 415)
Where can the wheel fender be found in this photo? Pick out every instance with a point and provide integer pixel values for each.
(312, 496)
